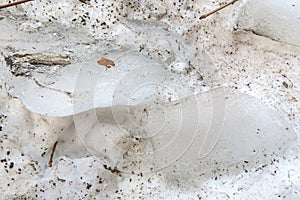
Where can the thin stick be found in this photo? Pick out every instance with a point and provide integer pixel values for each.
(52, 153)
(13, 3)
(216, 10)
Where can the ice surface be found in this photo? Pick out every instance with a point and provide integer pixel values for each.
(277, 19)
(219, 126)
(152, 65)
(243, 162)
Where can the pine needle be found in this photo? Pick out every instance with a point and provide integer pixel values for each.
(217, 9)
(14, 3)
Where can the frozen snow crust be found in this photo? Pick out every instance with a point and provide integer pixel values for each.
(193, 109)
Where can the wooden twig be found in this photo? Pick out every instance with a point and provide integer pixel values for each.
(52, 153)
(13, 3)
(217, 9)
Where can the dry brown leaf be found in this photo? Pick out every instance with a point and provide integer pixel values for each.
(106, 62)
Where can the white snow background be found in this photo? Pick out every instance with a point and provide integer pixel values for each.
(193, 109)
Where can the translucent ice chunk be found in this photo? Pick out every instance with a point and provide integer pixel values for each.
(277, 19)
(219, 126)
(152, 65)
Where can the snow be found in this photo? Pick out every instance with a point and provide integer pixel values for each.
(193, 109)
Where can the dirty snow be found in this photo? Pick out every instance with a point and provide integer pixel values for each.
(218, 117)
